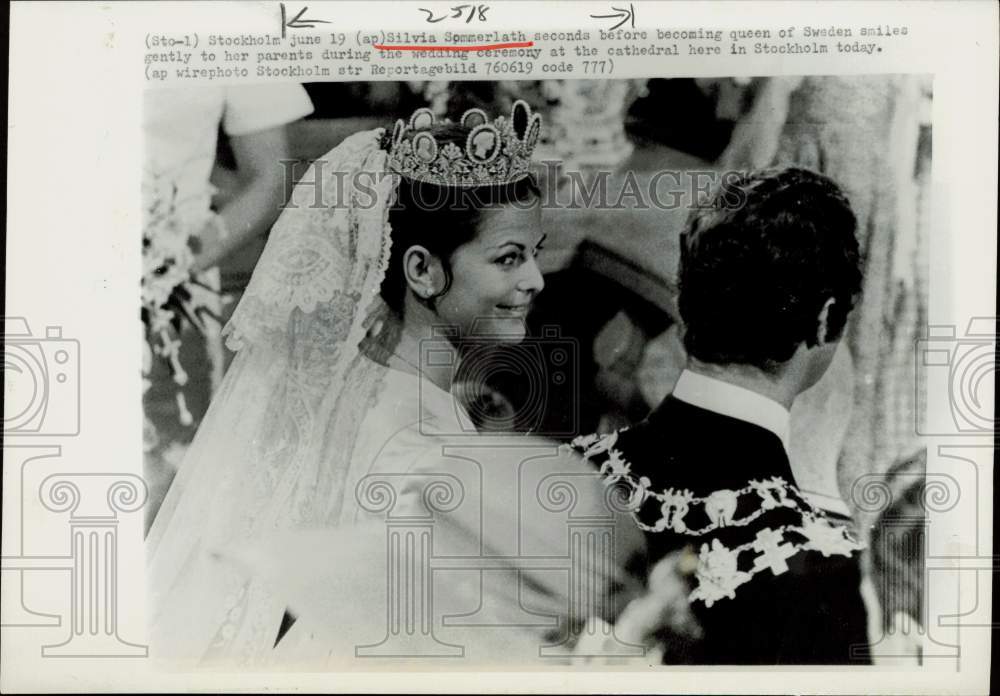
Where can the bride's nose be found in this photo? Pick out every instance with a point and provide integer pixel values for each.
(531, 280)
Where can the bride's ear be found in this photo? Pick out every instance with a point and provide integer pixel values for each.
(823, 322)
(423, 270)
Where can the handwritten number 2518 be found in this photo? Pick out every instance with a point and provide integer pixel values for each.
(475, 12)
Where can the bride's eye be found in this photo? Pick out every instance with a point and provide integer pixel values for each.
(508, 259)
(538, 248)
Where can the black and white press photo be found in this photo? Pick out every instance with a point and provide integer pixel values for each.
(520, 347)
(394, 325)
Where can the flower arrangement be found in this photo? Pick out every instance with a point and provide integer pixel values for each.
(171, 294)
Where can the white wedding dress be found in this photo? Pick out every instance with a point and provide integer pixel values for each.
(498, 503)
(489, 510)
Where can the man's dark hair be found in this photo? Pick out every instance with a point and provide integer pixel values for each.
(759, 261)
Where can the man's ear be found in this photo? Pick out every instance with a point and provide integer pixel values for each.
(822, 322)
(423, 271)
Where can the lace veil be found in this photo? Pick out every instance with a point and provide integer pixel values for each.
(262, 460)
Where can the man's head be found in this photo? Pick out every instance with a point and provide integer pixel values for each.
(769, 272)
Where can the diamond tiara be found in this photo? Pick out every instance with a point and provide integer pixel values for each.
(497, 152)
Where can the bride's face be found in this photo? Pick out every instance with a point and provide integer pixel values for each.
(495, 277)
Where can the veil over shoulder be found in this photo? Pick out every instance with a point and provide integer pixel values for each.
(269, 454)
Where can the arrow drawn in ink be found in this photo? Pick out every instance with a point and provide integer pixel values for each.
(298, 22)
(620, 13)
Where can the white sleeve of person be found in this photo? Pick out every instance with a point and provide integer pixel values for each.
(253, 108)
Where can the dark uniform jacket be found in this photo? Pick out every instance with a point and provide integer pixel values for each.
(778, 580)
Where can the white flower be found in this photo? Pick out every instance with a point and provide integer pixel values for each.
(147, 365)
(150, 437)
(615, 467)
(827, 538)
(718, 574)
(174, 454)
(585, 441)
(601, 444)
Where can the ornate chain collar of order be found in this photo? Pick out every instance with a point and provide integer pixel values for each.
(718, 571)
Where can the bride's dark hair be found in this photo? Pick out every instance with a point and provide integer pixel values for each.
(442, 218)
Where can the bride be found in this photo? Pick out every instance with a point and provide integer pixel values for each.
(397, 252)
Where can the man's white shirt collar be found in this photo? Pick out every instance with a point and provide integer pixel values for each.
(748, 406)
(733, 401)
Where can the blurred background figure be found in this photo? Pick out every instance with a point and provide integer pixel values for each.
(181, 127)
(871, 134)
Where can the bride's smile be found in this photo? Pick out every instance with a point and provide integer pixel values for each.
(514, 310)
